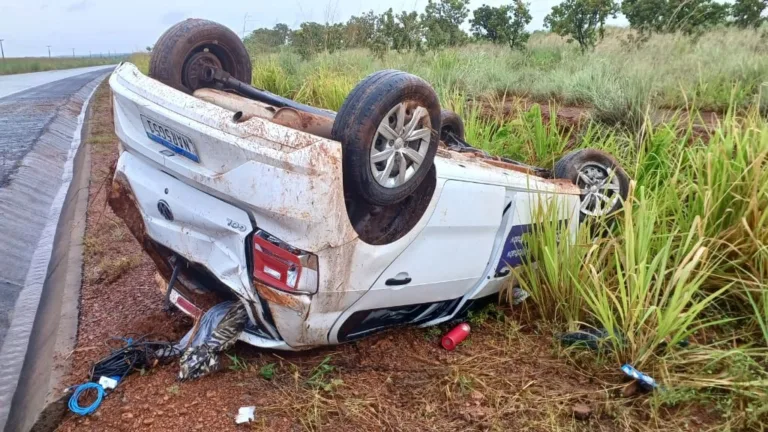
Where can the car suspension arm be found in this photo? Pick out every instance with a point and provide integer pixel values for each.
(224, 80)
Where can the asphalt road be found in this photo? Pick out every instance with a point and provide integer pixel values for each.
(10, 84)
(31, 112)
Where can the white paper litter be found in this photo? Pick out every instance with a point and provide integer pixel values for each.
(245, 414)
(107, 382)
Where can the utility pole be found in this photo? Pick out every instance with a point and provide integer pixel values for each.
(49, 51)
(73, 52)
(2, 51)
(245, 20)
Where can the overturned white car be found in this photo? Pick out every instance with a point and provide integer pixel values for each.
(327, 226)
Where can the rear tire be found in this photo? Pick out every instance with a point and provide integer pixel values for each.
(450, 122)
(604, 184)
(183, 50)
(388, 127)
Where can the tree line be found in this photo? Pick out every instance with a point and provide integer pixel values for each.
(440, 24)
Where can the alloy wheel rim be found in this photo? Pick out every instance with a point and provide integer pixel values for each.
(400, 144)
(600, 189)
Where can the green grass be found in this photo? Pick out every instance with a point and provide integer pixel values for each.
(10, 66)
(618, 80)
(684, 262)
(141, 60)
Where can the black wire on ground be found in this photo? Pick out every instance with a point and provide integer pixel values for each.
(136, 354)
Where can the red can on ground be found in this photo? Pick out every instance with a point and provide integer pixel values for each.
(454, 337)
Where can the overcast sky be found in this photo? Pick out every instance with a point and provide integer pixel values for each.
(129, 25)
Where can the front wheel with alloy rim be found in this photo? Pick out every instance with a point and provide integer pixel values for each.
(603, 183)
(388, 127)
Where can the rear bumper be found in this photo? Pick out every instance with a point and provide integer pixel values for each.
(252, 334)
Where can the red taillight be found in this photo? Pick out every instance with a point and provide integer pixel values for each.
(280, 266)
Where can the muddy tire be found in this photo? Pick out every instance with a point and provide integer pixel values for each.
(450, 122)
(388, 127)
(183, 50)
(604, 184)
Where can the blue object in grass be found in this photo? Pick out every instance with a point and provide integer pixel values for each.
(639, 376)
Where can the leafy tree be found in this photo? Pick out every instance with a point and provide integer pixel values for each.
(517, 37)
(309, 39)
(646, 15)
(334, 37)
(387, 30)
(442, 20)
(361, 30)
(687, 16)
(503, 24)
(409, 31)
(581, 20)
(489, 22)
(281, 33)
(265, 39)
(707, 14)
(749, 13)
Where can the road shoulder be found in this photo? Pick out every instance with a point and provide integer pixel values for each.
(27, 354)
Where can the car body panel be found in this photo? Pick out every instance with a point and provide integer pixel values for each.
(201, 230)
(260, 175)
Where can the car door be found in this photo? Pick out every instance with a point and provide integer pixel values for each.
(445, 261)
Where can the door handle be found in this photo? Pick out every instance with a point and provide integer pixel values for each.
(398, 282)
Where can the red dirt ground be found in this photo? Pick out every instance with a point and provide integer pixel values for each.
(508, 107)
(504, 377)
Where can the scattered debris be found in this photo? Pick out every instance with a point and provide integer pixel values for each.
(137, 354)
(476, 396)
(217, 331)
(591, 338)
(631, 389)
(600, 339)
(105, 374)
(454, 337)
(581, 412)
(245, 414)
(519, 295)
(74, 401)
(108, 383)
(641, 378)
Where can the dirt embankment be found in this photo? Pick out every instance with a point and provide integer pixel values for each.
(504, 377)
(505, 107)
